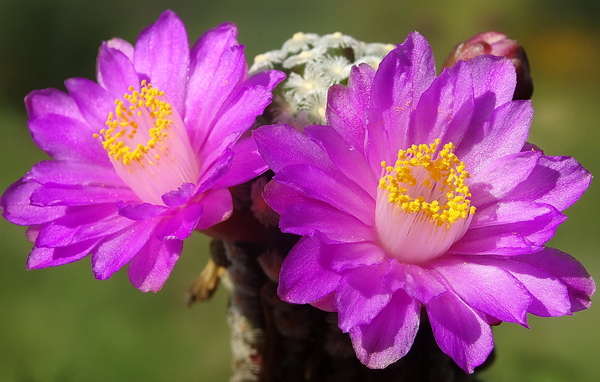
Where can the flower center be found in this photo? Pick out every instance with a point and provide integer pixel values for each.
(148, 145)
(423, 204)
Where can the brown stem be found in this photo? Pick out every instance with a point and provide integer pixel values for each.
(273, 341)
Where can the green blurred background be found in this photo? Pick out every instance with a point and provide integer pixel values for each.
(61, 324)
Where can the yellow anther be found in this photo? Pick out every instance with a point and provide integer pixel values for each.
(148, 101)
(417, 165)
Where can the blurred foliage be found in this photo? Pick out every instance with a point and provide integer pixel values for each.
(62, 325)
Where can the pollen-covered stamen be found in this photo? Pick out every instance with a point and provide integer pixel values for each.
(148, 145)
(423, 203)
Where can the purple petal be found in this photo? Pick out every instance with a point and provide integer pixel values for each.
(162, 53)
(558, 181)
(510, 228)
(181, 224)
(49, 195)
(218, 66)
(17, 209)
(68, 139)
(51, 101)
(151, 267)
(139, 211)
(390, 335)
(487, 288)
(314, 182)
(502, 176)
(238, 114)
(360, 296)
(180, 196)
(568, 270)
(117, 250)
(445, 109)
(378, 145)
(246, 164)
(460, 331)
(403, 75)
(211, 173)
(314, 216)
(268, 79)
(421, 283)
(346, 106)
(42, 257)
(494, 80)
(326, 303)
(217, 206)
(349, 161)
(283, 145)
(550, 295)
(115, 72)
(93, 101)
(303, 279)
(280, 196)
(350, 256)
(508, 124)
(80, 224)
(212, 44)
(122, 46)
(73, 173)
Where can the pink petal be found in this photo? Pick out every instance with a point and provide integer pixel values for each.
(569, 271)
(510, 228)
(360, 296)
(79, 196)
(390, 335)
(93, 101)
(42, 257)
(484, 287)
(51, 101)
(115, 72)
(460, 331)
(68, 139)
(403, 75)
(153, 264)
(445, 109)
(346, 106)
(303, 279)
(550, 295)
(508, 124)
(246, 164)
(348, 159)
(17, 209)
(335, 191)
(162, 53)
(118, 249)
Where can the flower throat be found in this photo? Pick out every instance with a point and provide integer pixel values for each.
(423, 203)
(147, 143)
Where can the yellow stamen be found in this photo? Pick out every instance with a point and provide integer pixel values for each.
(419, 175)
(122, 123)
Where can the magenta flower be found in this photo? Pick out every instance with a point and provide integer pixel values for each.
(144, 156)
(423, 193)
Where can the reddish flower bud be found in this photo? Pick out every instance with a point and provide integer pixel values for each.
(497, 44)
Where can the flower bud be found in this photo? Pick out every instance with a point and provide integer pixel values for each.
(497, 44)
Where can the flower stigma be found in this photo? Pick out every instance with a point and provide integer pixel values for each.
(148, 145)
(423, 203)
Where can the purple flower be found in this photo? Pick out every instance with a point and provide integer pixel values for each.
(144, 156)
(423, 193)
